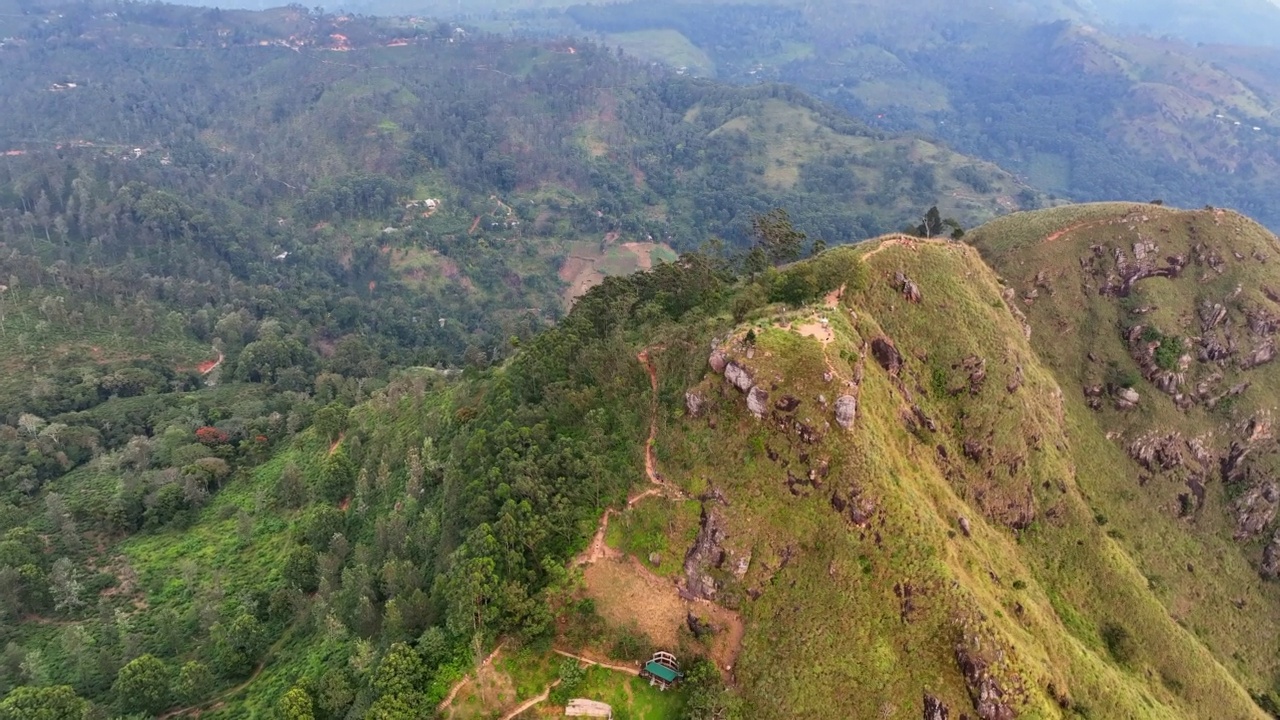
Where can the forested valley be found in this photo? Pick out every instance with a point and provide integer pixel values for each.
(1082, 112)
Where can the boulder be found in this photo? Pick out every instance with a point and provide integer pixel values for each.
(738, 376)
(846, 411)
(718, 362)
(693, 403)
(887, 355)
(758, 401)
(1127, 398)
(909, 289)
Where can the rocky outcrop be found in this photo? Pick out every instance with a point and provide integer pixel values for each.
(846, 411)
(854, 505)
(693, 403)
(1264, 353)
(1157, 452)
(758, 401)
(738, 376)
(1270, 568)
(976, 367)
(990, 699)
(904, 285)
(1256, 509)
(1015, 382)
(706, 554)
(934, 709)
(1211, 316)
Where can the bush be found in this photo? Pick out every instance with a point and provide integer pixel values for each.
(1119, 642)
(1170, 352)
(629, 645)
(571, 677)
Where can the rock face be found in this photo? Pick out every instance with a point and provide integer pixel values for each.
(707, 553)
(693, 403)
(758, 401)
(738, 376)
(846, 411)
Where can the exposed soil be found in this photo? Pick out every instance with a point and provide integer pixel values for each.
(629, 669)
(530, 702)
(627, 592)
(490, 689)
(815, 329)
(453, 691)
(582, 272)
(209, 366)
(642, 251)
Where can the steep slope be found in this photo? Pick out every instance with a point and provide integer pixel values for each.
(943, 546)
(1158, 325)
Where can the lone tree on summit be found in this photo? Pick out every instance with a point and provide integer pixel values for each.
(777, 237)
(934, 226)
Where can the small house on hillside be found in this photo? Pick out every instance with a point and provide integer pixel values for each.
(662, 670)
(581, 707)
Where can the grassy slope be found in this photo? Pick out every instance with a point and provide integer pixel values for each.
(785, 137)
(828, 628)
(1193, 566)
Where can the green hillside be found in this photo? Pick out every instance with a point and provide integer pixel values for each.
(1073, 98)
(1195, 347)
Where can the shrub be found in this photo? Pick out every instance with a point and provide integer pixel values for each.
(1119, 642)
(1170, 352)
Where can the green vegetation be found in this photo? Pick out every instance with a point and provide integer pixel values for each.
(236, 479)
(1100, 114)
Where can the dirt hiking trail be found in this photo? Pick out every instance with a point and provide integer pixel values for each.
(546, 692)
(609, 666)
(457, 687)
